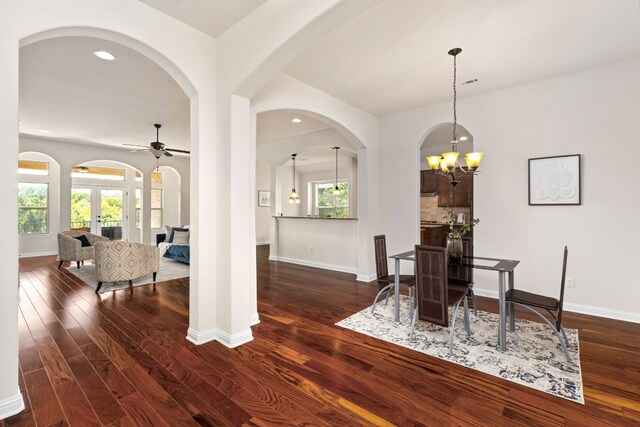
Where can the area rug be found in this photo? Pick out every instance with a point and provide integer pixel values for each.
(169, 270)
(533, 356)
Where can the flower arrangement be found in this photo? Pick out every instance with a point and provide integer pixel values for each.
(450, 217)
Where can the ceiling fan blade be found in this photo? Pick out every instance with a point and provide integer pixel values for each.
(178, 151)
(168, 154)
(136, 145)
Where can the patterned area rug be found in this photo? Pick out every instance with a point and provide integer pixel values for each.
(533, 357)
(169, 270)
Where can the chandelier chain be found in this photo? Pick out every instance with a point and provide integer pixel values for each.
(455, 97)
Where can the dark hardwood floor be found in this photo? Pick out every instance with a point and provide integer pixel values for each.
(121, 359)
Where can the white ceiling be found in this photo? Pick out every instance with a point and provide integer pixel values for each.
(321, 159)
(213, 17)
(69, 92)
(275, 125)
(393, 57)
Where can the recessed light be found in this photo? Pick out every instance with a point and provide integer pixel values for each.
(45, 131)
(463, 138)
(103, 54)
(296, 120)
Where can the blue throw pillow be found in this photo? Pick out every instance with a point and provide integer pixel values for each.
(83, 239)
(173, 230)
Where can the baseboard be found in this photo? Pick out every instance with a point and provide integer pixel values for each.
(579, 308)
(366, 277)
(35, 254)
(263, 242)
(199, 338)
(11, 406)
(307, 263)
(273, 258)
(254, 319)
(231, 341)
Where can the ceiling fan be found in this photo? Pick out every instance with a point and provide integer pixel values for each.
(156, 147)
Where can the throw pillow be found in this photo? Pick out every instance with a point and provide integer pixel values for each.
(83, 239)
(180, 237)
(173, 231)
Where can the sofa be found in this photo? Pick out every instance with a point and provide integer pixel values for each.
(70, 248)
(118, 261)
(176, 252)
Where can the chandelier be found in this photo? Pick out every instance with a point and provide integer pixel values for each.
(447, 164)
(294, 197)
(336, 189)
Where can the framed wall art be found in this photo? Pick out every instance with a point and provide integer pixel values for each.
(555, 181)
(264, 198)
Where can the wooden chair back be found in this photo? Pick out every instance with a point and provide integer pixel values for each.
(562, 283)
(431, 283)
(382, 268)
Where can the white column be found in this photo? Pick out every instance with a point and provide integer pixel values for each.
(10, 398)
(146, 208)
(240, 301)
(64, 219)
(204, 217)
(276, 208)
(367, 207)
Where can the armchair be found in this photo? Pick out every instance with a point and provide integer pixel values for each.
(118, 261)
(70, 248)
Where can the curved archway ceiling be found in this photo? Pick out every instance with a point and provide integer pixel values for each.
(75, 96)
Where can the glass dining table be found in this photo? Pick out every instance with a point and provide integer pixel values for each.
(502, 266)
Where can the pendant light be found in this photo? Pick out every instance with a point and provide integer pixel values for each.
(294, 197)
(336, 190)
(447, 164)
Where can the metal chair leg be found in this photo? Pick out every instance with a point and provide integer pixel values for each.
(553, 328)
(385, 289)
(413, 323)
(386, 301)
(473, 299)
(467, 323)
(453, 327)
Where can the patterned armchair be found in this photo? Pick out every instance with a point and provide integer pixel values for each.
(70, 248)
(118, 261)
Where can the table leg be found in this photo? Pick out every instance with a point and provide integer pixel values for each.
(502, 329)
(511, 308)
(397, 290)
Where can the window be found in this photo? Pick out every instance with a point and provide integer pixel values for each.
(329, 205)
(33, 208)
(138, 208)
(156, 208)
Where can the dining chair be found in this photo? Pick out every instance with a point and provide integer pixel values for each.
(529, 300)
(434, 295)
(386, 282)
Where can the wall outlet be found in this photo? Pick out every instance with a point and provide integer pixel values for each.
(310, 250)
(571, 282)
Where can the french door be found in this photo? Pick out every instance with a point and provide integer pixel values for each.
(99, 210)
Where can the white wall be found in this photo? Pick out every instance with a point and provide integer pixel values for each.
(263, 214)
(593, 113)
(324, 243)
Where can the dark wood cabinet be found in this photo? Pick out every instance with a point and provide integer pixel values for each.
(460, 197)
(428, 182)
(433, 236)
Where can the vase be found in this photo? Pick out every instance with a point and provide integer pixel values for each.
(454, 247)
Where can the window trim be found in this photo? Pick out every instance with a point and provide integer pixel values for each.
(315, 184)
(47, 208)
